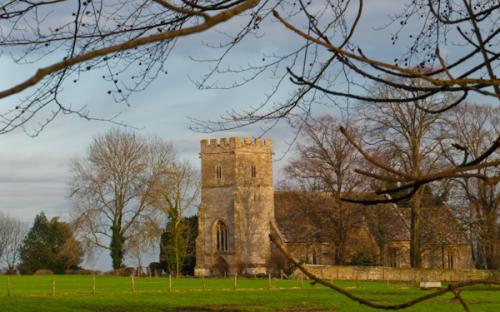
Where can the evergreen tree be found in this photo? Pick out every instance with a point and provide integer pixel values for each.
(49, 244)
(179, 244)
(191, 224)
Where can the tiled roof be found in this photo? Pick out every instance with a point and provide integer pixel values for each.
(309, 217)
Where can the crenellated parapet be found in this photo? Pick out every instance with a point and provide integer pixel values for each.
(233, 143)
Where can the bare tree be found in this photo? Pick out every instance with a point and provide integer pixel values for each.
(174, 193)
(142, 244)
(112, 188)
(331, 65)
(324, 163)
(4, 231)
(12, 233)
(471, 128)
(409, 135)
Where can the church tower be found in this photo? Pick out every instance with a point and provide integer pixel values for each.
(237, 206)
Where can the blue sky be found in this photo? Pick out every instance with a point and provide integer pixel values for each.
(34, 172)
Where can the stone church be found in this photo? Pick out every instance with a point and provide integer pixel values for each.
(238, 205)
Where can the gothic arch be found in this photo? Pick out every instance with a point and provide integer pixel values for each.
(220, 235)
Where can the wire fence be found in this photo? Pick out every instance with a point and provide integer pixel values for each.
(67, 285)
(99, 284)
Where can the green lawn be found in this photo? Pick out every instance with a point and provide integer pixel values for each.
(115, 294)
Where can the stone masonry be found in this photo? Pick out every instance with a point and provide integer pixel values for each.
(237, 205)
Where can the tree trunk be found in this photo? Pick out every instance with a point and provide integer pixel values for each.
(178, 246)
(490, 254)
(415, 248)
(116, 247)
(177, 251)
(341, 229)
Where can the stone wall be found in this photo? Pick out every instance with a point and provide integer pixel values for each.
(433, 256)
(394, 274)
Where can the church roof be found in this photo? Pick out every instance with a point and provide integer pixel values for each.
(309, 217)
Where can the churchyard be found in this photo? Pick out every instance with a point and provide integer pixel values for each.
(111, 293)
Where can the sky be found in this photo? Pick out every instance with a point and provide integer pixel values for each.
(34, 172)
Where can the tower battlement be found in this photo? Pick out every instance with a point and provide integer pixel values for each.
(218, 145)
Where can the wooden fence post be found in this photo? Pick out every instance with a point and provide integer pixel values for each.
(93, 284)
(235, 280)
(203, 282)
(170, 282)
(133, 282)
(53, 285)
(302, 280)
(270, 283)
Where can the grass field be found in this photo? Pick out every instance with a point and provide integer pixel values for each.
(115, 294)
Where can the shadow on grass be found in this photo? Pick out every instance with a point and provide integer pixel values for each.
(232, 309)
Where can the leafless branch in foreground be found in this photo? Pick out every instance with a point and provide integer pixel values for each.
(128, 42)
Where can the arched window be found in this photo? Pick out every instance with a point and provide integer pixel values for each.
(221, 231)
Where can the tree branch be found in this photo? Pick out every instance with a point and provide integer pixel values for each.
(211, 22)
(451, 287)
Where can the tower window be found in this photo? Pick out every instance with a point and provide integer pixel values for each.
(254, 171)
(221, 236)
(218, 172)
